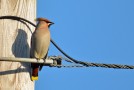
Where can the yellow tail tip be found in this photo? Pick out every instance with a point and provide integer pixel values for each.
(34, 78)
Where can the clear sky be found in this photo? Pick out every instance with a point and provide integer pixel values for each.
(99, 31)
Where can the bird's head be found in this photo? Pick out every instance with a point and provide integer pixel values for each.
(49, 23)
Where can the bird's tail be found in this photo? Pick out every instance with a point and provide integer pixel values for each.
(35, 70)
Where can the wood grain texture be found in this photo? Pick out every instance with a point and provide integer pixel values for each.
(15, 42)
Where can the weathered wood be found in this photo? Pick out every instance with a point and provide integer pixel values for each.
(15, 42)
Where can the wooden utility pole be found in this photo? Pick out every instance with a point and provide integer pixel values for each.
(15, 42)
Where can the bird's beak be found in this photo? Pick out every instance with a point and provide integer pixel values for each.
(51, 23)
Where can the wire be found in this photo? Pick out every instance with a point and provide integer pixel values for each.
(72, 59)
(19, 19)
(115, 66)
(69, 58)
(89, 64)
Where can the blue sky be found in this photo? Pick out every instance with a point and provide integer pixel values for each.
(99, 31)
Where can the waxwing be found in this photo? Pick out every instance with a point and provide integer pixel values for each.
(40, 42)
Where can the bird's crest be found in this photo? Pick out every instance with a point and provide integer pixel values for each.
(44, 19)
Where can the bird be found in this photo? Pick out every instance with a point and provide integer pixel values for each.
(40, 42)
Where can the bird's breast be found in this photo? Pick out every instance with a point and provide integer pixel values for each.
(41, 43)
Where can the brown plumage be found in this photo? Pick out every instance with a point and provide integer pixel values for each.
(39, 44)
